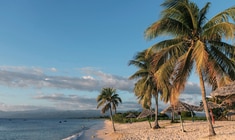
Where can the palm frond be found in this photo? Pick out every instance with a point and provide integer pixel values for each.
(202, 15)
(164, 27)
(217, 31)
(223, 47)
(106, 108)
(223, 16)
(182, 70)
(200, 54)
(108, 99)
(222, 61)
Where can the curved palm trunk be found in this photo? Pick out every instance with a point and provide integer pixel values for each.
(192, 116)
(156, 125)
(181, 121)
(211, 128)
(172, 114)
(149, 122)
(111, 117)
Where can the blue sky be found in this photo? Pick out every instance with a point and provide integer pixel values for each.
(58, 54)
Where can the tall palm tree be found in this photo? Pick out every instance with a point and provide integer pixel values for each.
(109, 100)
(146, 86)
(194, 42)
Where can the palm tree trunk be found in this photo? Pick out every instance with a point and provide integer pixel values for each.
(156, 125)
(211, 128)
(149, 122)
(192, 116)
(182, 126)
(111, 117)
(172, 114)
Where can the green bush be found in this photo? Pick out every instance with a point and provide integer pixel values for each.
(163, 116)
(119, 118)
(187, 114)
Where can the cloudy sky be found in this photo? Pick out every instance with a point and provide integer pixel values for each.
(59, 54)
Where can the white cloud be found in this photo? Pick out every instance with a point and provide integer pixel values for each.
(22, 69)
(88, 77)
(53, 69)
(92, 81)
(34, 77)
(19, 107)
(192, 93)
(68, 102)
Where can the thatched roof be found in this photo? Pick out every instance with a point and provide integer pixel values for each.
(224, 91)
(211, 105)
(228, 101)
(131, 115)
(181, 106)
(145, 113)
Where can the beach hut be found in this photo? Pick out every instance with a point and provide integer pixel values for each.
(131, 115)
(226, 94)
(146, 113)
(212, 105)
(231, 115)
(229, 101)
(178, 108)
(224, 91)
(182, 106)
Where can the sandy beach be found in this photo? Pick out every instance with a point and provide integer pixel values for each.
(198, 130)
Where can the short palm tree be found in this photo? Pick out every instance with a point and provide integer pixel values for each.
(109, 100)
(194, 42)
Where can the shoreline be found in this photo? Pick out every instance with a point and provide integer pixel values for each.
(91, 133)
(197, 130)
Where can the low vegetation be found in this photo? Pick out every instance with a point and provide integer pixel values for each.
(121, 117)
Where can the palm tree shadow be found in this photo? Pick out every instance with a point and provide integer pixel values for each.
(218, 126)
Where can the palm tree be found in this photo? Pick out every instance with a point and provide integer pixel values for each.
(194, 43)
(109, 100)
(146, 86)
(144, 98)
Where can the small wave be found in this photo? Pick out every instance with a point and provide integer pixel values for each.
(75, 136)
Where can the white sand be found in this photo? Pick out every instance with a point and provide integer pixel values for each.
(198, 130)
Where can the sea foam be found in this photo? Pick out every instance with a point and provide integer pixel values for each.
(75, 136)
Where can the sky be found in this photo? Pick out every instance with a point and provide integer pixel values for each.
(59, 54)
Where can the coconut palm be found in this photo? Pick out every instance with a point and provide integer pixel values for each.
(194, 43)
(146, 86)
(109, 100)
(144, 98)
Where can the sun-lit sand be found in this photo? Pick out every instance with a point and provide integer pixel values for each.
(198, 130)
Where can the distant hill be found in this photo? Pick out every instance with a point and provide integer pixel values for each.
(51, 114)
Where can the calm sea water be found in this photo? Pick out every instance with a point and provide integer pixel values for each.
(43, 129)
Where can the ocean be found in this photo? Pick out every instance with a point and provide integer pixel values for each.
(45, 129)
